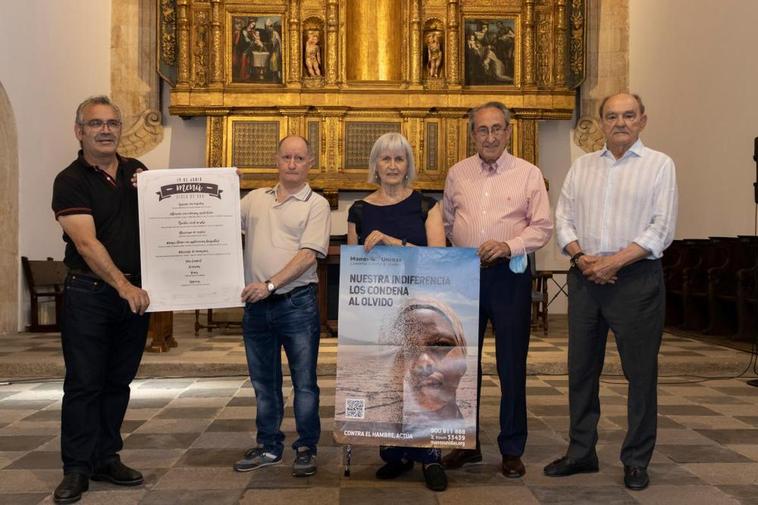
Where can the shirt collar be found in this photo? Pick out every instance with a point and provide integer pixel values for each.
(636, 150)
(303, 195)
(85, 163)
(500, 163)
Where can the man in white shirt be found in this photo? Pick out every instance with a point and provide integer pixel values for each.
(286, 228)
(615, 216)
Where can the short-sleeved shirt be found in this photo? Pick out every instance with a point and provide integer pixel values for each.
(405, 220)
(82, 188)
(276, 231)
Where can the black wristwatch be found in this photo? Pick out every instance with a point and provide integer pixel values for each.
(270, 286)
(575, 258)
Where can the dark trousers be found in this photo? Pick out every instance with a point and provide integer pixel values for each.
(634, 309)
(291, 321)
(505, 299)
(393, 454)
(102, 347)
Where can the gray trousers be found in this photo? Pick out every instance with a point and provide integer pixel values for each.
(634, 309)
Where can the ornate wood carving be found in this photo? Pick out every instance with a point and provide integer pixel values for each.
(295, 43)
(332, 25)
(216, 47)
(167, 62)
(415, 36)
(544, 49)
(560, 43)
(215, 144)
(577, 18)
(426, 103)
(200, 48)
(453, 71)
(529, 74)
(183, 40)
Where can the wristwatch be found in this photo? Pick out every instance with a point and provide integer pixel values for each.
(270, 286)
(575, 258)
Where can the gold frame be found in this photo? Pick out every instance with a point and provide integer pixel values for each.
(238, 11)
(517, 49)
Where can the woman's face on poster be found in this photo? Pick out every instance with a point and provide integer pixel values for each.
(436, 362)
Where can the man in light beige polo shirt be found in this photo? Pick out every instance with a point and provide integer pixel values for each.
(286, 229)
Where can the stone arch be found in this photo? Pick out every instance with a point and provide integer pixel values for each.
(9, 261)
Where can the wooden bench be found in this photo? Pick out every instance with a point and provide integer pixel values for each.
(44, 279)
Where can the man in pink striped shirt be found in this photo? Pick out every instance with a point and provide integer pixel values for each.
(498, 203)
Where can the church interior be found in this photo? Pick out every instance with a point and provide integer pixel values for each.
(217, 83)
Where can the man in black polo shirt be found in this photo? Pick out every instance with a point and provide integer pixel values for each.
(104, 322)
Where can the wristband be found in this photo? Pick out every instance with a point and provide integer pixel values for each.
(575, 258)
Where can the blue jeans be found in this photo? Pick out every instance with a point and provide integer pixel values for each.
(290, 320)
(102, 347)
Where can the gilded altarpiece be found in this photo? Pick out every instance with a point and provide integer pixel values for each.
(343, 72)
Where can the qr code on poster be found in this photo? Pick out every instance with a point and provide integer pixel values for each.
(355, 408)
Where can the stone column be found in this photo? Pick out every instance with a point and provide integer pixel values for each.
(607, 69)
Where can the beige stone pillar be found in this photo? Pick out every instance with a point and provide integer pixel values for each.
(9, 259)
(135, 84)
(607, 69)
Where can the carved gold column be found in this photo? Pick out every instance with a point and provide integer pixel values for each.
(216, 49)
(530, 77)
(528, 140)
(451, 50)
(214, 149)
(332, 27)
(294, 43)
(182, 21)
(561, 42)
(416, 47)
(374, 40)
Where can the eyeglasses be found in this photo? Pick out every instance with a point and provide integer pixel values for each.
(96, 124)
(496, 131)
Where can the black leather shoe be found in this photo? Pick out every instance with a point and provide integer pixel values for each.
(71, 488)
(459, 457)
(118, 473)
(434, 477)
(393, 469)
(513, 467)
(567, 466)
(636, 478)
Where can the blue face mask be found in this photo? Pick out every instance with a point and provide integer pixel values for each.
(518, 264)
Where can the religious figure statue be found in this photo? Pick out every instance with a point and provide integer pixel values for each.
(313, 53)
(434, 54)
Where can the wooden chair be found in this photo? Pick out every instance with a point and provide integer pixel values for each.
(747, 294)
(539, 296)
(45, 280)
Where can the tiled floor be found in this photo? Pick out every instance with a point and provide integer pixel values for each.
(184, 434)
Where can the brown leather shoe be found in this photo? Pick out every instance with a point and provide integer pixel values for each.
(459, 457)
(513, 468)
